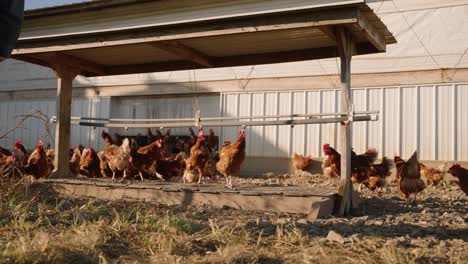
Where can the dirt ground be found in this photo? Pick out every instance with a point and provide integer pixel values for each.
(41, 228)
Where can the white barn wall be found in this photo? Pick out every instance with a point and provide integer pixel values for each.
(430, 119)
(157, 107)
(34, 129)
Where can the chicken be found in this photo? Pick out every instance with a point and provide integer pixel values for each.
(368, 158)
(212, 141)
(301, 163)
(199, 156)
(118, 158)
(141, 140)
(4, 152)
(90, 163)
(143, 158)
(151, 138)
(433, 175)
(231, 157)
(75, 162)
(166, 169)
(103, 166)
(378, 175)
(107, 138)
(409, 177)
(50, 154)
(6, 162)
(327, 168)
(168, 144)
(360, 164)
(333, 160)
(38, 165)
(462, 174)
(187, 145)
(118, 139)
(22, 153)
(210, 169)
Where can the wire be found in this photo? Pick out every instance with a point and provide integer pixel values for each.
(458, 63)
(378, 8)
(417, 36)
(421, 9)
(330, 77)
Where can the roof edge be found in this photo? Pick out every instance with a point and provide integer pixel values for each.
(80, 7)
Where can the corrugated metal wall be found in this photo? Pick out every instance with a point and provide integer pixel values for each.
(163, 107)
(34, 129)
(432, 119)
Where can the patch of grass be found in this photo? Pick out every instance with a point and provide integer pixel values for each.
(36, 226)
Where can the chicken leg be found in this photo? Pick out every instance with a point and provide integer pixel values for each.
(141, 176)
(124, 175)
(200, 176)
(229, 183)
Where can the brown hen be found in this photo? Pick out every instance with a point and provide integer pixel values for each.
(231, 157)
(409, 177)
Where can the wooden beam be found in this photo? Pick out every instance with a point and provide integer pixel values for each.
(184, 52)
(274, 22)
(329, 31)
(365, 28)
(231, 61)
(345, 49)
(65, 76)
(57, 58)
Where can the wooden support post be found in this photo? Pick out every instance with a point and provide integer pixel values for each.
(345, 50)
(65, 77)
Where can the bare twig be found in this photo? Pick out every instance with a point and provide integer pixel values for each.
(37, 114)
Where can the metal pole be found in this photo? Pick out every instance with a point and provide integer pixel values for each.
(230, 123)
(219, 118)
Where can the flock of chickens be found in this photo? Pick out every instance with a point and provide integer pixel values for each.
(153, 157)
(373, 176)
(159, 156)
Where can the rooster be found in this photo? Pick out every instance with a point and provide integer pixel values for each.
(378, 175)
(231, 157)
(118, 158)
(75, 162)
(142, 158)
(22, 153)
(301, 163)
(409, 177)
(433, 176)
(90, 163)
(38, 165)
(462, 174)
(196, 163)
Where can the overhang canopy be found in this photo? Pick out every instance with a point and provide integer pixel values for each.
(112, 37)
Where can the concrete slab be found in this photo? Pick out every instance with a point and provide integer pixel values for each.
(315, 202)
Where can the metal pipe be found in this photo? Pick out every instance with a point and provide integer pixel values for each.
(220, 118)
(290, 122)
